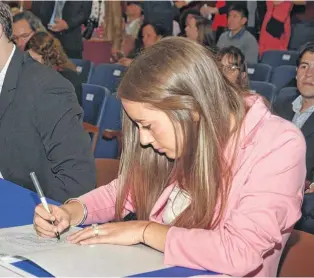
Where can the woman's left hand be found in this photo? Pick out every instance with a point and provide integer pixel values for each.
(120, 233)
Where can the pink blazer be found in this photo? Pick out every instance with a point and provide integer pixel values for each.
(263, 205)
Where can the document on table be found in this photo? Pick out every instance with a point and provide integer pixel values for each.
(95, 260)
(23, 240)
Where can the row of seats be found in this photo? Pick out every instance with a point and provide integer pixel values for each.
(276, 58)
(279, 76)
(271, 92)
(102, 110)
(106, 75)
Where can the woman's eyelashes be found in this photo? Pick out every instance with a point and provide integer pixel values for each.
(148, 127)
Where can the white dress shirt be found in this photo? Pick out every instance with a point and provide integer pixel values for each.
(5, 68)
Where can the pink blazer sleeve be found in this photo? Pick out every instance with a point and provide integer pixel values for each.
(269, 205)
(101, 202)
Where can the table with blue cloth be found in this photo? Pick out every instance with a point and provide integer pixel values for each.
(17, 209)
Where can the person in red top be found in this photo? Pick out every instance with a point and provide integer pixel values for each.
(275, 31)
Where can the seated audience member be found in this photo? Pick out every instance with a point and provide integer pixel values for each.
(48, 50)
(41, 124)
(25, 24)
(238, 36)
(221, 10)
(212, 206)
(184, 19)
(199, 29)
(234, 66)
(149, 34)
(299, 110)
(133, 23)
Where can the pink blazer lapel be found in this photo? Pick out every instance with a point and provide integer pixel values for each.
(155, 214)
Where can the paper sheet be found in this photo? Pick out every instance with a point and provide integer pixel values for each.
(99, 260)
(95, 260)
(23, 240)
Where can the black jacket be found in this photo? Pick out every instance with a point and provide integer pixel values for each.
(41, 131)
(75, 13)
(284, 109)
(76, 81)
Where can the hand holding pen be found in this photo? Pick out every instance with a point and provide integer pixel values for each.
(42, 198)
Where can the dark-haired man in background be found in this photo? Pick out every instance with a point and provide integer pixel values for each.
(238, 36)
(300, 110)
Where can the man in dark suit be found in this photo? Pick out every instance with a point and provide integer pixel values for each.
(300, 110)
(64, 19)
(40, 124)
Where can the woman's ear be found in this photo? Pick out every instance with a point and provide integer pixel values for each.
(244, 76)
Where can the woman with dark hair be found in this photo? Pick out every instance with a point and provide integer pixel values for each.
(148, 35)
(48, 50)
(185, 17)
(233, 66)
(201, 167)
(199, 29)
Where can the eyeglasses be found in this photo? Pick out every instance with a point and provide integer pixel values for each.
(22, 36)
(230, 68)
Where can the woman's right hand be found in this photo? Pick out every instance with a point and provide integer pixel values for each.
(42, 220)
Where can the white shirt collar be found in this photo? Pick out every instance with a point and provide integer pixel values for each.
(5, 68)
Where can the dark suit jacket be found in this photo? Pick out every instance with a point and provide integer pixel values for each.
(284, 110)
(160, 12)
(76, 81)
(41, 131)
(75, 13)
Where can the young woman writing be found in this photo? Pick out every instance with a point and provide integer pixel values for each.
(216, 181)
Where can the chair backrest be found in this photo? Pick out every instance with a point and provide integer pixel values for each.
(297, 257)
(110, 119)
(276, 58)
(259, 72)
(93, 102)
(265, 89)
(84, 68)
(282, 76)
(287, 92)
(106, 170)
(107, 75)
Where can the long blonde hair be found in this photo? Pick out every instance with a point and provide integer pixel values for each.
(181, 78)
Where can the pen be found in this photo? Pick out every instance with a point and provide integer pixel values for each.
(42, 197)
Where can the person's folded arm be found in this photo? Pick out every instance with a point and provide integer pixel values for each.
(268, 206)
(58, 119)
